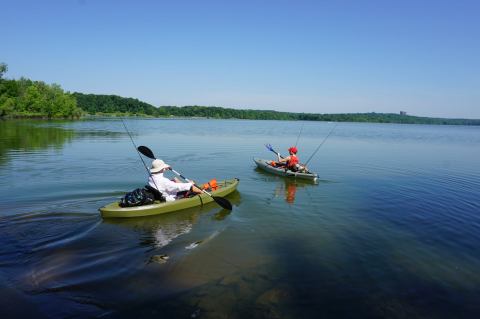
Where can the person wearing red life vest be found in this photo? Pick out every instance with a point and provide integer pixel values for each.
(291, 162)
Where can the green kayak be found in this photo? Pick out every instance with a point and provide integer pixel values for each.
(114, 210)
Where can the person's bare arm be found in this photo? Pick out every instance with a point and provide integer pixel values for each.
(196, 190)
(283, 160)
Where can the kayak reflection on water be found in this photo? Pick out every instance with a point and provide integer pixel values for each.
(290, 191)
(288, 188)
(159, 231)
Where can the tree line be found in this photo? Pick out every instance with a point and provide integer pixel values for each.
(27, 98)
(112, 104)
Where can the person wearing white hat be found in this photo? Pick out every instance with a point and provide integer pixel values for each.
(169, 189)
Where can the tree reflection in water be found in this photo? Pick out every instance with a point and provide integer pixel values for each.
(31, 135)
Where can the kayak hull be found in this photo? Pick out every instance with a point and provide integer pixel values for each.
(263, 165)
(114, 210)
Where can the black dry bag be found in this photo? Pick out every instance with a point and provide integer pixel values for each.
(138, 197)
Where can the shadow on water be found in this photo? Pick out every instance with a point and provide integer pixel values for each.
(35, 257)
(75, 262)
(302, 283)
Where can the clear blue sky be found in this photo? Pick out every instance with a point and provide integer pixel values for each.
(333, 56)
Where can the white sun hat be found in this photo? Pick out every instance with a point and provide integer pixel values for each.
(158, 165)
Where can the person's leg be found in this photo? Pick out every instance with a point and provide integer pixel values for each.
(192, 192)
(182, 194)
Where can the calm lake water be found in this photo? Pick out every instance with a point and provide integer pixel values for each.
(391, 230)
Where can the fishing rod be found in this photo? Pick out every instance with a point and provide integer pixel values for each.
(270, 147)
(139, 155)
(147, 152)
(321, 144)
(219, 200)
(298, 137)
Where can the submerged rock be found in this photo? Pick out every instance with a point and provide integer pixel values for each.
(161, 259)
(195, 314)
(273, 296)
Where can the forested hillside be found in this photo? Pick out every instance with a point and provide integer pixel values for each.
(95, 104)
(27, 98)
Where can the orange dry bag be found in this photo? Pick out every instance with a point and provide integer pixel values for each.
(212, 185)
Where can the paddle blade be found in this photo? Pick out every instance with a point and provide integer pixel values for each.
(270, 148)
(223, 202)
(146, 151)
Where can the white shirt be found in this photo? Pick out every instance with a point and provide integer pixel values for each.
(168, 188)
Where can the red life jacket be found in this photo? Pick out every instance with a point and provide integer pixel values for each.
(292, 161)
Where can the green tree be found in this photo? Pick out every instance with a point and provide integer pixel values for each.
(26, 98)
(3, 69)
(7, 105)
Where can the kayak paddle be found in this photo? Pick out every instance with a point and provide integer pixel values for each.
(219, 200)
(270, 148)
(146, 151)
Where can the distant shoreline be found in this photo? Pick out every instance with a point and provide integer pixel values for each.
(428, 121)
(29, 99)
(26, 99)
(445, 121)
(113, 105)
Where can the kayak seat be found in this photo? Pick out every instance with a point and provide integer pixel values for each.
(157, 195)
